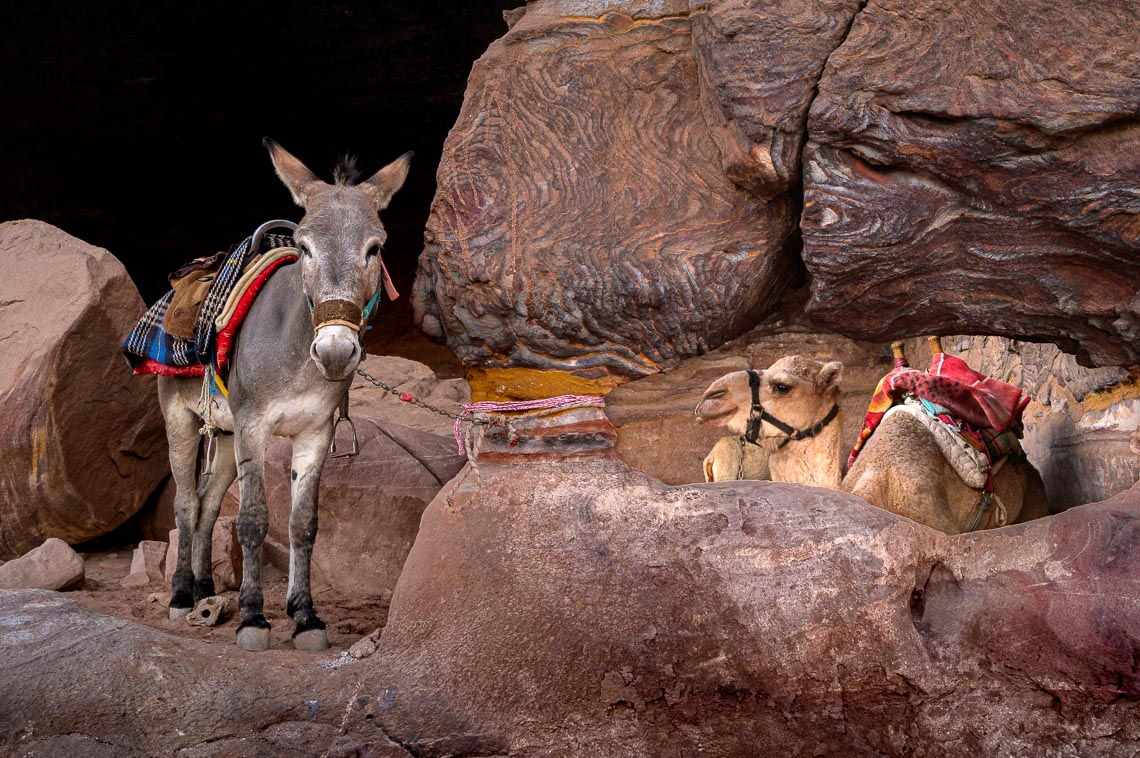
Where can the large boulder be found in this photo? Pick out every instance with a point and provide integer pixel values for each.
(583, 154)
(972, 167)
(572, 606)
(81, 440)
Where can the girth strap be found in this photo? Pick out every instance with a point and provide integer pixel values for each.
(758, 416)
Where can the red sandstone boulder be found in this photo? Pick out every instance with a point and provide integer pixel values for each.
(81, 440)
(972, 167)
(571, 606)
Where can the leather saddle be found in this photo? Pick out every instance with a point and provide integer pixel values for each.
(191, 284)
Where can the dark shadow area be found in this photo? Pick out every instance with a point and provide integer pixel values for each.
(138, 126)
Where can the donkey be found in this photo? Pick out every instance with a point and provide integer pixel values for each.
(290, 370)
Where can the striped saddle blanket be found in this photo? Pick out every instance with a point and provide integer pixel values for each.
(150, 349)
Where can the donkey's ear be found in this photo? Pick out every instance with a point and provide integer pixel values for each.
(292, 172)
(830, 375)
(384, 183)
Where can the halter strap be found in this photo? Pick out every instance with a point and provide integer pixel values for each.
(758, 416)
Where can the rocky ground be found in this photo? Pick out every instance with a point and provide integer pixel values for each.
(348, 618)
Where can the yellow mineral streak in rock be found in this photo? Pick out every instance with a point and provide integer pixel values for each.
(502, 384)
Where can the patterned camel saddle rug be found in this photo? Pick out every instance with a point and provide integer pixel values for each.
(152, 349)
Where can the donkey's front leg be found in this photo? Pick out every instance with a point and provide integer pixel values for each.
(252, 525)
(309, 451)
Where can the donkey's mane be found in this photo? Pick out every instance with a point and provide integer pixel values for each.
(345, 171)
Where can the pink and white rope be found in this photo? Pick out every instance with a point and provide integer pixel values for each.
(488, 406)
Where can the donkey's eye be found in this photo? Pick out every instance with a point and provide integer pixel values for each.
(305, 251)
(781, 389)
(372, 251)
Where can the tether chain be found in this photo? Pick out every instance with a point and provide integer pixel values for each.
(408, 398)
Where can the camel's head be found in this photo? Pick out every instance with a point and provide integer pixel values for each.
(795, 390)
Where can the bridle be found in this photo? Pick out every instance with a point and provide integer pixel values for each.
(333, 312)
(757, 416)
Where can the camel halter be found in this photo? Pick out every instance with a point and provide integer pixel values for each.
(758, 416)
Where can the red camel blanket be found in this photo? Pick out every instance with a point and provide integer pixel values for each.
(979, 401)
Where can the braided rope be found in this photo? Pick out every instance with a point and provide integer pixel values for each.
(488, 406)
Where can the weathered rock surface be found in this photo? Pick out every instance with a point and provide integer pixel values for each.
(583, 220)
(149, 558)
(759, 62)
(158, 694)
(972, 167)
(51, 566)
(575, 607)
(81, 439)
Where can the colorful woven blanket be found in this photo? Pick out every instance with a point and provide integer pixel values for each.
(987, 411)
(149, 349)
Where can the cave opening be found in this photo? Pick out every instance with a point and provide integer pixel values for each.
(138, 127)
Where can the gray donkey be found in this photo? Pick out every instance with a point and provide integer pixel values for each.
(290, 370)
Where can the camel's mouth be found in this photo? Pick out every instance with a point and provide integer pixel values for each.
(706, 415)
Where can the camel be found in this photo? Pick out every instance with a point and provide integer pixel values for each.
(901, 468)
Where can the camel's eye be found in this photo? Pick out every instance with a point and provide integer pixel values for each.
(781, 389)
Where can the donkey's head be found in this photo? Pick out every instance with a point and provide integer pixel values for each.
(339, 240)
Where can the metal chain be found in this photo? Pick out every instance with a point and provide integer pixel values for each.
(408, 398)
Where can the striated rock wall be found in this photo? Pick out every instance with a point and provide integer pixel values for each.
(623, 187)
(975, 167)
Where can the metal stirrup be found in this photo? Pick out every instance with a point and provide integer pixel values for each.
(343, 416)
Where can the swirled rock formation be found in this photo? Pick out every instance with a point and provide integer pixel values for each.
(584, 219)
(975, 167)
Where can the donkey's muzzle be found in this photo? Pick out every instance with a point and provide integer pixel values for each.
(336, 338)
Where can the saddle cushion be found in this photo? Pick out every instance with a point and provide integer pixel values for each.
(987, 407)
(151, 348)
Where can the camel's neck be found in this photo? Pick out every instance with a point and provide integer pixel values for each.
(814, 461)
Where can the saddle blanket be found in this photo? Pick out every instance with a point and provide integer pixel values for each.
(150, 349)
(986, 411)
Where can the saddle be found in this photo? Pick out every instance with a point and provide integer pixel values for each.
(191, 283)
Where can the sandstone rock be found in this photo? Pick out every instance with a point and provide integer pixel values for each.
(757, 116)
(370, 505)
(365, 646)
(582, 155)
(210, 611)
(575, 607)
(153, 693)
(134, 580)
(149, 558)
(81, 439)
(51, 566)
(971, 167)
(225, 555)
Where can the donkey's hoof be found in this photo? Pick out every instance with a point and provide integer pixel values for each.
(177, 613)
(252, 638)
(311, 641)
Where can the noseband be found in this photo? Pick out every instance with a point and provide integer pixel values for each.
(757, 416)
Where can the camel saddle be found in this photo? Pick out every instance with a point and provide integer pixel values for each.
(191, 284)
